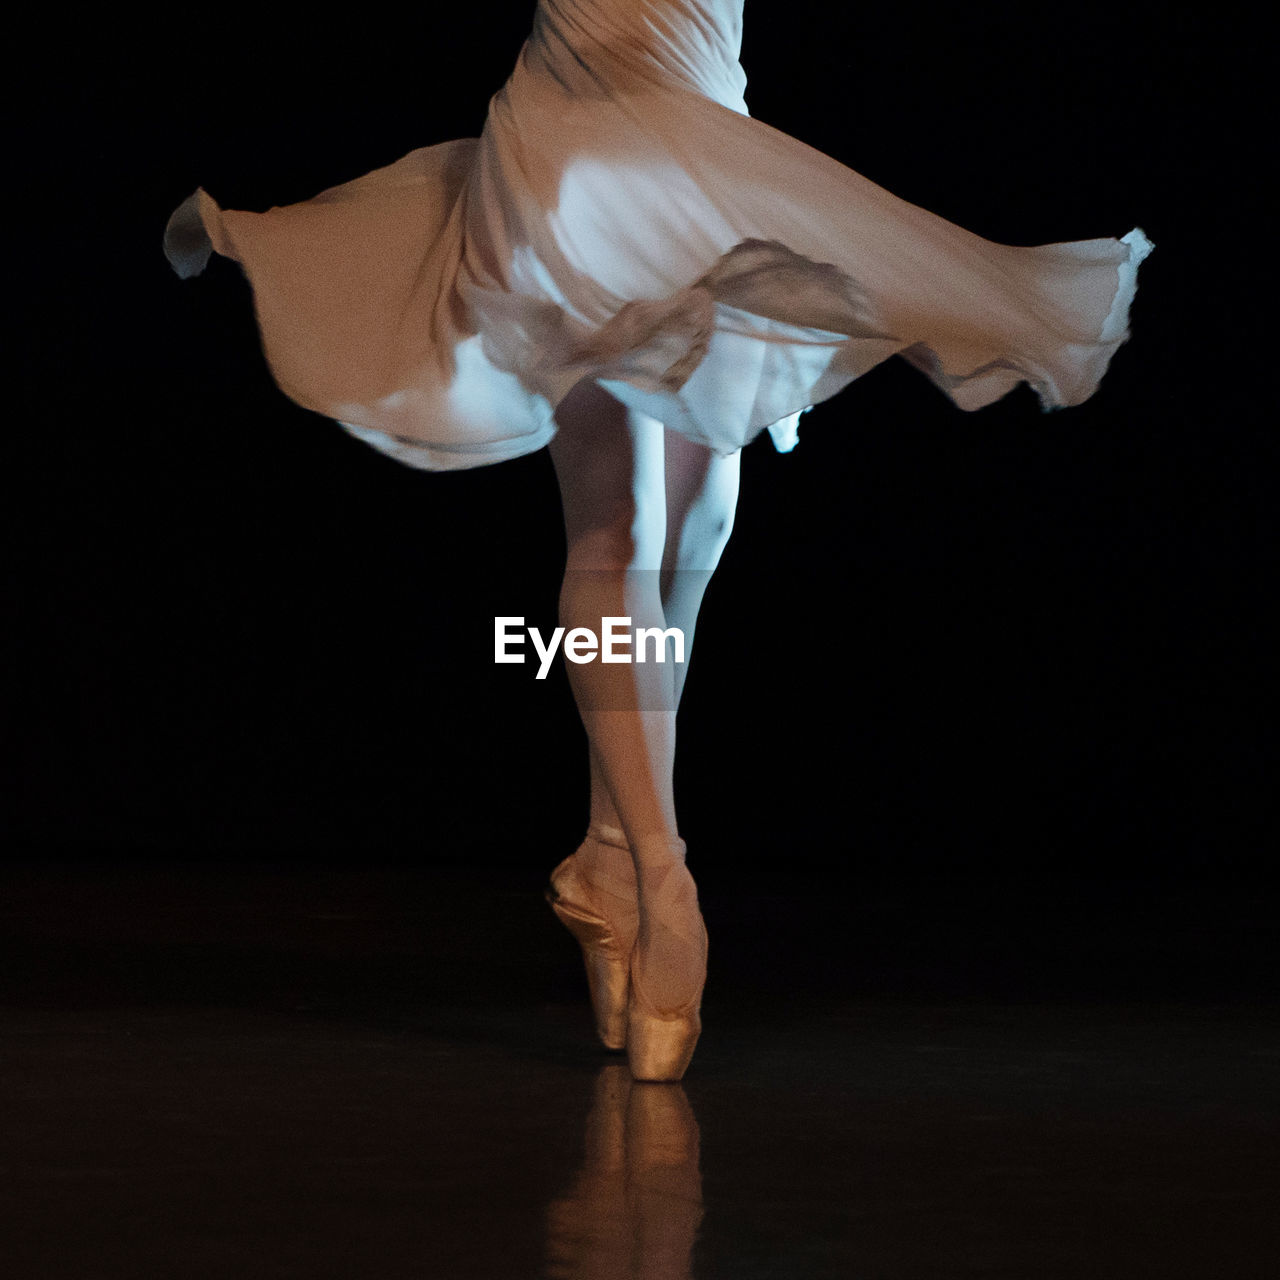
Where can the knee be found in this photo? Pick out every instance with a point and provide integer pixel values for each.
(630, 537)
(608, 547)
(703, 536)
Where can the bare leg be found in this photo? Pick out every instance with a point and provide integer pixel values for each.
(609, 464)
(701, 497)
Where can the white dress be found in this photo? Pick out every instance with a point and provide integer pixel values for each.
(623, 218)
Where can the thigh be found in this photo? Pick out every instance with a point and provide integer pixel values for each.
(609, 462)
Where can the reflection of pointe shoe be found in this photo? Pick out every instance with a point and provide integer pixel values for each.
(664, 1183)
(668, 968)
(634, 1208)
(662, 1133)
(589, 1231)
(593, 892)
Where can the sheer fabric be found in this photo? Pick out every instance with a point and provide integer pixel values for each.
(622, 218)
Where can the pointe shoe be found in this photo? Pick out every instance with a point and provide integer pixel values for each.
(661, 1041)
(597, 904)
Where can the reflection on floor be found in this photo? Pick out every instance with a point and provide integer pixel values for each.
(636, 1203)
(375, 1073)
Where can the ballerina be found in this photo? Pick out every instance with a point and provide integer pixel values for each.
(628, 268)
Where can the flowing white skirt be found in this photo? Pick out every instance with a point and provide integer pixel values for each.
(622, 218)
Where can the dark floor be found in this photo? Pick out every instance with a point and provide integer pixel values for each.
(225, 1072)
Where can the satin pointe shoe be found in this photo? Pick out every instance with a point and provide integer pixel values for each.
(668, 966)
(593, 893)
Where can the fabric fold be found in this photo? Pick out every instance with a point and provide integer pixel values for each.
(622, 218)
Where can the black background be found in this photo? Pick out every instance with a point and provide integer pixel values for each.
(999, 644)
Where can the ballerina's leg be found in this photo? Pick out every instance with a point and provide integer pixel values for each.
(701, 499)
(611, 466)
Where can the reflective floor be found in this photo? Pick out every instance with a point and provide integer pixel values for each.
(325, 1073)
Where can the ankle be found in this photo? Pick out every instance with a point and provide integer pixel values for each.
(658, 852)
(605, 864)
(606, 833)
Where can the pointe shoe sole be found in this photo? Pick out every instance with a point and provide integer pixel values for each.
(608, 977)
